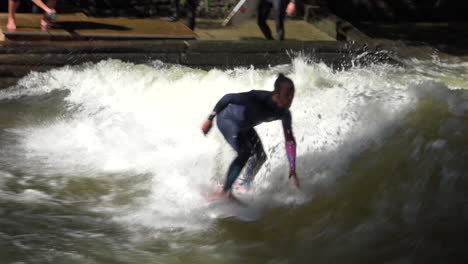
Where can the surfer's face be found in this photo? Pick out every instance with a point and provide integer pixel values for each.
(284, 97)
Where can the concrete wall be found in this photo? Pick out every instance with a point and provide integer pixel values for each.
(196, 53)
(20, 58)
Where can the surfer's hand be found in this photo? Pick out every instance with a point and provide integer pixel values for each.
(292, 174)
(291, 9)
(206, 126)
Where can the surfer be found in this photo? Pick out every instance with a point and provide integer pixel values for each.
(238, 113)
(281, 7)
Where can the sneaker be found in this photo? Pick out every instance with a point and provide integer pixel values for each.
(50, 17)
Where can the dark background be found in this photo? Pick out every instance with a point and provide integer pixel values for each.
(400, 10)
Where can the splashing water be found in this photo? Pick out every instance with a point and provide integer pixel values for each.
(111, 155)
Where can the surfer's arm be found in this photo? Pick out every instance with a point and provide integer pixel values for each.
(290, 147)
(290, 140)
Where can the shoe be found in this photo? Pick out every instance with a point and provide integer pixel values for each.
(48, 20)
(172, 19)
(50, 17)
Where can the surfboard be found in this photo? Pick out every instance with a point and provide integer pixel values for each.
(244, 10)
(228, 209)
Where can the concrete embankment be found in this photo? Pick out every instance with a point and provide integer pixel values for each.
(19, 58)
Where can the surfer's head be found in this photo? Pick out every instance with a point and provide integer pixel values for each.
(283, 94)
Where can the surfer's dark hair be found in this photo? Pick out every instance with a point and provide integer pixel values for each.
(280, 80)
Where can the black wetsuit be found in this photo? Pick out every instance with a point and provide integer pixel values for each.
(279, 7)
(237, 114)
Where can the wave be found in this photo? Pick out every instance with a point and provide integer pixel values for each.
(366, 131)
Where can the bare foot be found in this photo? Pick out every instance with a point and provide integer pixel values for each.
(222, 195)
(215, 196)
(46, 24)
(11, 25)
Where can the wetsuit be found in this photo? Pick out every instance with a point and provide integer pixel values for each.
(279, 7)
(237, 114)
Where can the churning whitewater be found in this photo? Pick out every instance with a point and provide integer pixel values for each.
(112, 153)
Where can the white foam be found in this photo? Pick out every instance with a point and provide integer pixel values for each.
(126, 118)
(31, 195)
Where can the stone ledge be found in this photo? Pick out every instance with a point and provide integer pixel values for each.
(246, 46)
(17, 58)
(92, 47)
(74, 59)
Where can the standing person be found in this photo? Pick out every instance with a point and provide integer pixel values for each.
(281, 7)
(237, 114)
(49, 9)
(191, 12)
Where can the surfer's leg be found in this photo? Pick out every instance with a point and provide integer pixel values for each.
(257, 156)
(280, 12)
(231, 132)
(235, 169)
(262, 15)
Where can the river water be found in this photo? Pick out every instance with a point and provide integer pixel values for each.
(106, 163)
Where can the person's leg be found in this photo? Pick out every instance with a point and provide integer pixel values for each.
(280, 12)
(175, 4)
(262, 15)
(191, 13)
(49, 9)
(12, 7)
(35, 9)
(45, 7)
(52, 4)
(257, 157)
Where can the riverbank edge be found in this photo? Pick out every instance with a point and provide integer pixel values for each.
(18, 59)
